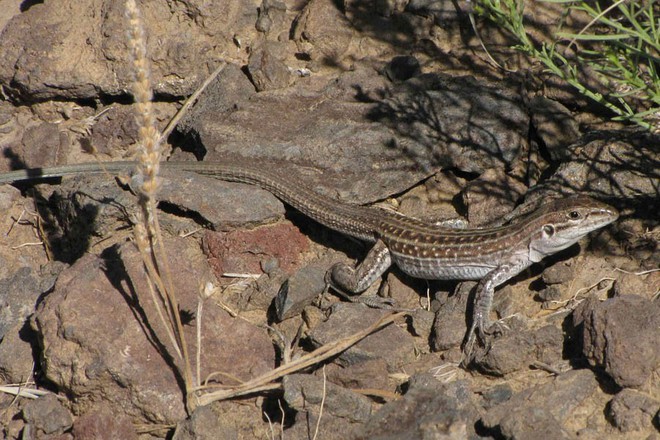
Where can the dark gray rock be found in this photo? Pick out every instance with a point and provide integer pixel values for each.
(429, 409)
(46, 415)
(608, 166)
(532, 422)
(42, 145)
(299, 291)
(371, 374)
(496, 395)
(442, 11)
(551, 293)
(620, 335)
(18, 298)
(20, 291)
(402, 68)
(204, 424)
(543, 409)
(555, 125)
(391, 343)
(406, 132)
(271, 17)
(632, 410)
(450, 326)
(491, 196)
(516, 349)
(304, 392)
(223, 205)
(422, 322)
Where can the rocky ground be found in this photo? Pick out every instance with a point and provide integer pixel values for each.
(386, 102)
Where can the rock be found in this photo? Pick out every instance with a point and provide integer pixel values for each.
(626, 348)
(370, 374)
(300, 290)
(466, 103)
(272, 19)
(429, 409)
(322, 31)
(391, 343)
(497, 395)
(276, 125)
(449, 327)
(515, 350)
(226, 420)
(549, 295)
(204, 424)
(115, 131)
(403, 290)
(103, 423)
(46, 415)
(88, 64)
(267, 70)
(532, 423)
(422, 322)
(402, 68)
(221, 205)
(18, 298)
(19, 294)
(94, 347)
(304, 392)
(242, 251)
(544, 409)
(555, 125)
(559, 272)
(42, 145)
(95, 206)
(16, 354)
(632, 410)
(442, 11)
(491, 196)
(606, 166)
(229, 92)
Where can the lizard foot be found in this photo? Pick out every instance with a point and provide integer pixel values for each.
(373, 301)
(484, 332)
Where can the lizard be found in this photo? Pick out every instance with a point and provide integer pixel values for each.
(489, 255)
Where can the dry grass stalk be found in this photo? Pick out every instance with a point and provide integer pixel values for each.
(149, 154)
(319, 355)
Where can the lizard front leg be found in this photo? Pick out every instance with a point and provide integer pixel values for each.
(481, 325)
(348, 280)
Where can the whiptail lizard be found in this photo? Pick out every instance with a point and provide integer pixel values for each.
(420, 249)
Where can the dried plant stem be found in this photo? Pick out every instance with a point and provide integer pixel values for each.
(318, 355)
(149, 240)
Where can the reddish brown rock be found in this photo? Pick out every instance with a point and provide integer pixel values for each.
(101, 337)
(102, 423)
(243, 251)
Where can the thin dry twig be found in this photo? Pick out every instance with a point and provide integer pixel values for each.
(189, 102)
(318, 420)
(315, 357)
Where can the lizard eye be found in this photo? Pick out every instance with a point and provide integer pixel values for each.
(574, 215)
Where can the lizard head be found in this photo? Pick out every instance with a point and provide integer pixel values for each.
(563, 222)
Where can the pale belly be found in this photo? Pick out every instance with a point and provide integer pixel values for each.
(434, 269)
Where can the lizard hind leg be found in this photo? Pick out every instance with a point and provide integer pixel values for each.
(349, 281)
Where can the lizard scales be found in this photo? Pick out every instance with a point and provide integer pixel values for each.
(420, 249)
